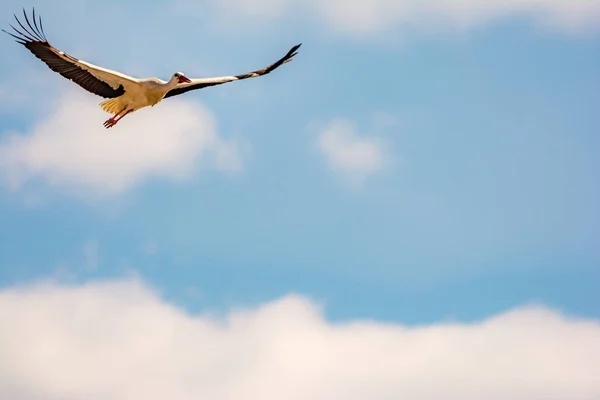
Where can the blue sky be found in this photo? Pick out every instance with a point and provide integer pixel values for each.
(459, 179)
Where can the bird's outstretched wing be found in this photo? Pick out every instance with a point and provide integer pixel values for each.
(205, 82)
(94, 79)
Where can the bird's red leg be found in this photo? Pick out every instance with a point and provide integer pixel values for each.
(112, 120)
(122, 116)
(109, 123)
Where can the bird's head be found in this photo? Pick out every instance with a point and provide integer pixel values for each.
(181, 78)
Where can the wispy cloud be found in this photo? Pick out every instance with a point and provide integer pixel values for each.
(150, 248)
(349, 153)
(19, 95)
(282, 349)
(369, 17)
(91, 255)
(72, 151)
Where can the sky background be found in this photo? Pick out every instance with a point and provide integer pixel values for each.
(418, 162)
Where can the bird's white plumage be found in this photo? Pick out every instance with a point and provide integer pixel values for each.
(215, 80)
(113, 78)
(139, 94)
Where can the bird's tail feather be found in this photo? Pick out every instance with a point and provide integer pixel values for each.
(112, 106)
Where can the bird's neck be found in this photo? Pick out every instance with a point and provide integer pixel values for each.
(172, 83)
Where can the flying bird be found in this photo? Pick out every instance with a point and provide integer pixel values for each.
(124, 94)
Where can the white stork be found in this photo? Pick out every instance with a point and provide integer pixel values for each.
(125, 94)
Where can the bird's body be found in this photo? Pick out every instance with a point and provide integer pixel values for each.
(124, 94)
(138, 94)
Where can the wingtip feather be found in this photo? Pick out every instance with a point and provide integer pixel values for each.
(31, 34)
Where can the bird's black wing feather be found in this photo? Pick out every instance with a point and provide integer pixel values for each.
(34, 39)
(206, 83)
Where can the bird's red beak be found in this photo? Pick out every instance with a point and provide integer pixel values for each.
(184, 79)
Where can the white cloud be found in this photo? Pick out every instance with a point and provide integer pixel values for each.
(71, 149)
(346, 151)
(118, 340)
(366, 17)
